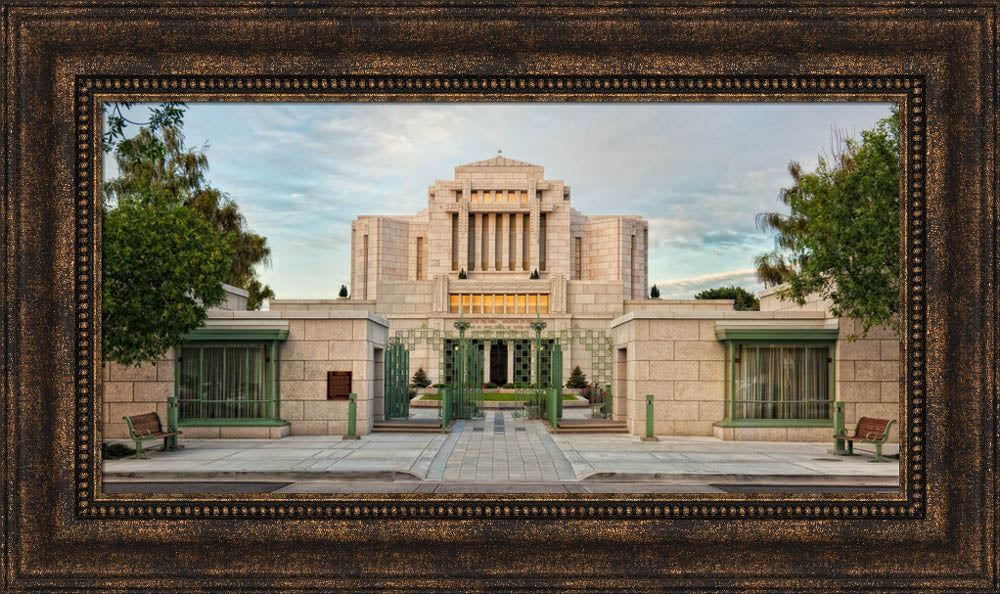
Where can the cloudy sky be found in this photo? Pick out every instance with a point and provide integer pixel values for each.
(699, 172)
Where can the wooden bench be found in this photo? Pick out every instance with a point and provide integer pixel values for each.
(144, 428)
(869, 430)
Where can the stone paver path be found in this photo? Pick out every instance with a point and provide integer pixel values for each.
(500, 447)
(601, 456)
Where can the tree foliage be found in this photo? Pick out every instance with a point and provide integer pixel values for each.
(577, 379)
(841, 238)
(163, 265)
(420, 378)
(654, 293)
(743, 300)
(343, 291)
(156, 160)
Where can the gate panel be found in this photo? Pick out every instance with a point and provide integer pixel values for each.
(556, 374)
(397, 389)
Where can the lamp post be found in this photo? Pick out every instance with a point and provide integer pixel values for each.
(460, 396)
(538, 325)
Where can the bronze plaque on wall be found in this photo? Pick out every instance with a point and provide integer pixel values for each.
(338, 384)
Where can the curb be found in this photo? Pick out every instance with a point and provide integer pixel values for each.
(252, 476)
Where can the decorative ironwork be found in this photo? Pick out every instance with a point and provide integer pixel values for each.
(397, 389)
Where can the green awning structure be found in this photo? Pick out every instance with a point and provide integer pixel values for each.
(241, 334)
(776, 334)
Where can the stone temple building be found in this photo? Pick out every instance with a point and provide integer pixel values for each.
(501, 247)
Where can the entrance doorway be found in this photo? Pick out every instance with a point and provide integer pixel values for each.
(498, 363)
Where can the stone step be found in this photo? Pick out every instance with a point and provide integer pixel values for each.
(408, 426)
(588, 426)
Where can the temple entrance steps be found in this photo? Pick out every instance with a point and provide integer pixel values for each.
(589, 426)
(409, 426)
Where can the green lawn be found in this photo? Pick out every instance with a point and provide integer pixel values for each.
(496, 397)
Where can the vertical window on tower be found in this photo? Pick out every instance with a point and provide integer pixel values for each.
(541, 242)
(521, 301)
(454, 241)
(498, 304)
(465, 302)
(484, 256)
(511, 245)
(477, 304)
(458, 195)
(510, 305)
(364, 270)
(487, 304)
(543, 304)
(578, 258)
(488, 196)
(634, 277)
(525, 236)
(475, 195)
(524, 195)
(532, 303)
(511, 195)
(472, 242)
(498, 241)
(453, 303)
(420, 258)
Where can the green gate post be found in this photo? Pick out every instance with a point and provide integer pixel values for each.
(445, 409)
(173, 410)
(839, 445)
(649, 419)
(352, 417)
(553, 408)
(610, 412)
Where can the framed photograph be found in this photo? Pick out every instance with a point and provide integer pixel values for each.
(583, 297)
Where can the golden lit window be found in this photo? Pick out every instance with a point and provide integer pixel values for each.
(543, 303)
(498, 304)
(475, 196)
(510, 304)
(511, 195)
(477, 304)
(532, 303)
(465, 303)
(488, 304)
(453, 303)
(524, 195)
(520, 303)
(488, 196)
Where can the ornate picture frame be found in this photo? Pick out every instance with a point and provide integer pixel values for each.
(937, 63)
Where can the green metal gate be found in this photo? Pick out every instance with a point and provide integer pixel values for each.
(397, 389)
(555, 381)
(464, 371)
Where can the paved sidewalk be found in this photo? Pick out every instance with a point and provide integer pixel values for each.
(499, 450)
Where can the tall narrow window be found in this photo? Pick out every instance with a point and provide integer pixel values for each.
(532, 303)
(487, 195)
(521, 301)
(364, 270)
(511, 242)
(458, 195)
(454, 241)
(525, 240)
(420, 258)
(484, 243)
(477, 304)
(510, 308)
(543, 304)
(453, 303)
(578, 258)
(634, 278)
(498, 241)
(471, 264)
(542, 227)
(487, 304)
(475, 195)
(511, 195)
(524, 195)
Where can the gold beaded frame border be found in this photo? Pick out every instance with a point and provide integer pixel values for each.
(907, 91)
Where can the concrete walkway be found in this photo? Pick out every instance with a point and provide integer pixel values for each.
(498, 450)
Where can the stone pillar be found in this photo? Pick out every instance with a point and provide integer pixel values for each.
(491, 238)
(505, 241)
(486, 361)
(510, 361)
(518, 241)
(534, 227)
(463, 229)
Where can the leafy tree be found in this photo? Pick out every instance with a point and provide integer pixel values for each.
(654, 293)
(420, 379)
(156, 160)
(165, 114)
(841, 239)
(163, 265)
(343, 291)
(577, 379)
(744, 300)
(257, 294)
